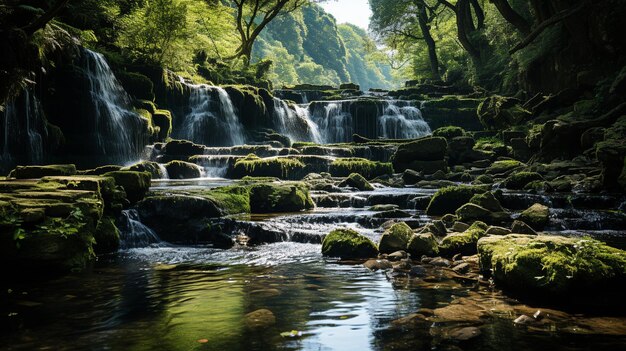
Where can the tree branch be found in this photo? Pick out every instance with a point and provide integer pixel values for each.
(42, 20)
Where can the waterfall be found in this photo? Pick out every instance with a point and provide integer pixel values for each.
(214, 166)
(337, 121)
(294, 122)
(117, 128)
(23, 131)
(402, 122)
(212, 120)
(133, 233)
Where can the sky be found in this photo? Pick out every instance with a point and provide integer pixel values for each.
(351, 11)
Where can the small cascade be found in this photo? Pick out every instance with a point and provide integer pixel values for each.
(134, 234)
(402, 122)
(117, 128)
(163, 171)
(214, 166)
(337, 121)
(23, 131)
(212, 120)
(294, 122)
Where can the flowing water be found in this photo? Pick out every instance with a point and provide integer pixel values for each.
(116, 128)
(212, 119)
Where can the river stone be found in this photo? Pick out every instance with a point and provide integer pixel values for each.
(395, 238)
(464, 334)
(411, 177)
(29, 172)
(136, 184)
(537, 216)
(392, 214)
(377, 264)
(449, 199)
(558, 266)
(488, 201)
(459, 227)
(520, 227)
(494, 230)
(272, 198)
(423, 244)
(463, 243)
(471, 212)
(347, 243)
(449, 220)
(356, 180)
(182, 170)
(435, 227)
(260, 319)
(424, 149)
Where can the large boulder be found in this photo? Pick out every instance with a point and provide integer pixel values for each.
(423, 244)
(470, 213)
(519, 180)
(449, 199)
(272, 198)
(347, 243)
(356, 180)
(182, 170)
(537, 216)
(424, 149)
(554, 265)
(487, 200)
(395, 238)
(30, 172)
(463, 243)
(136, 184)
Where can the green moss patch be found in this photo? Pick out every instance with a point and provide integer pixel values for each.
(347, 243)
(343, 167)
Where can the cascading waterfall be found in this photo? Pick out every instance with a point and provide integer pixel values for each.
(212, 119)
(133, 233)
(295, 123)
(117, 126)
(23, 131)
(337, 121)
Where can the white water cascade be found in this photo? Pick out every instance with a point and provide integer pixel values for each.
(295, 123)
(212, 119)
(134, 234)
(23, 131)
(117, 128)
(402, 122)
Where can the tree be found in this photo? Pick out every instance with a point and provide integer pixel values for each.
(253, 16)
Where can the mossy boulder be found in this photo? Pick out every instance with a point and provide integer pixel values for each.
(136, 184)
(519, 180)
(501, 112)
(163, 120)
(107, 236)
(356, 180)
(100, 170)
(471, 212)
(153, 168)
(182, 170)
(463, 243)
(347, 243)
(137, 85)
(537, 216)
(449, 199)
(343, 167)
(504, 166)
(424, 149)
(520, 227)
(395, 238)
(487, 200)
(31, 172)
(423, 244)
(553, 265)
(183, 148)
(273, 198)
(279, 167)
(449, 132)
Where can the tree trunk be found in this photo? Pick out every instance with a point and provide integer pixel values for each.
(511, 16)
(430, 43)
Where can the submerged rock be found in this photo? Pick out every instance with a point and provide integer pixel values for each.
(553, 265)
(260, 319)
(347, 243)
(395, 238)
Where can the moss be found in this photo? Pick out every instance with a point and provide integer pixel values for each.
(449, 132)
(182, 170)
(145, 105)
(395, 238)
(447, 200)
(423, 244)
(343, 167)
(489, 144)
(29, 172)
(137, 85)
(107, 236)
(465, 242)
(517, 181)
(136, 184)
(504, 166)
(163, 120)
(470, 212)
(101, 170)
(231, 199)
(537, 216)
(551, 264)
(279, 167)
(273, 198)
(484, 179)
(347, 243)
(146, 166)
(488, 201)
(356, 180)
(424, 149)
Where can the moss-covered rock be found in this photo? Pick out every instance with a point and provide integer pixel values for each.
(449, 132)
(343, 167)
(272, 198)
(101, 170)
(182, 170)
(471, 212)
(449, 199)
(488, 201)
(423, 244)
(500, 112)
(107, 236)
(553, 265)
(463, 243)
(31, 172)
(279, 167)
(424, 149)
(504, 166)
(155, 170)
(356, 180)
(163, 120)
(182, 148)
(537, 216)
(519, 180)
(136, 184)
(347, 243)
(137, 85)
(395, 238)
(520, 227)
